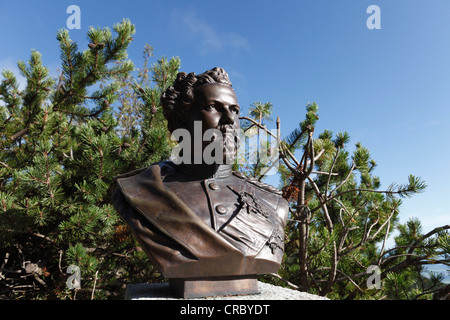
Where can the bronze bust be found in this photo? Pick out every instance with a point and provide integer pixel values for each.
(203, 221)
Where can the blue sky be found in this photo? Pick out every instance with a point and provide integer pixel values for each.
(388, 88)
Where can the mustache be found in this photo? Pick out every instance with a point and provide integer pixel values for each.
(230, 134)
(227, 129)
(230, 139)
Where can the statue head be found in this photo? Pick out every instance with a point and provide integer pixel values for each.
(209, 99)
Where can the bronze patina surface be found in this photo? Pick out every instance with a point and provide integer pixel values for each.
(216, 286)
(196, 221)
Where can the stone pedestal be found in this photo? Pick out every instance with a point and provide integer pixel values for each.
(161, 291)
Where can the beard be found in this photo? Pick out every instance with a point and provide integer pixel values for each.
(230, 146)
(230, 143)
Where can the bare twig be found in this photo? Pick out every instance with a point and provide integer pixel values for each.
(345, 180)
(36, 277)
(93, 288)
(37, 234)
(120, 255)
(331, 170)
(5, 261)
(286, 281)
(59, 262)
(382, 226)
(5, 165)
(350, 279)
(324, 206)
(332, 273)
(326, 173)
(259, 125)
(19, 134)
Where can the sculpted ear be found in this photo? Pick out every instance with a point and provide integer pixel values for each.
(178, 121)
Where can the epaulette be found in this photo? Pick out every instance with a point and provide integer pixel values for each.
(129, 174)
(258, 183)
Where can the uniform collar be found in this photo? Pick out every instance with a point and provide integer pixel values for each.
(200, 171)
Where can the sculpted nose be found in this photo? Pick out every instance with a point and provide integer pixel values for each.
(227, 116)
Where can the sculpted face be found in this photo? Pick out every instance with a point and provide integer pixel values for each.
(217, 107)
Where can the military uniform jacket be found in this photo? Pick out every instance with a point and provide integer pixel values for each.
(223, 225)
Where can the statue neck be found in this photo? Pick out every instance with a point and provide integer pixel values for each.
(205, 171)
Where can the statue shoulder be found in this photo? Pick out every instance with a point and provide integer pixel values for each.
(129, 174)
(257, 183)
(166, 168)
(136, 183)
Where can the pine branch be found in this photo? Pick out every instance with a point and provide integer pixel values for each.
(415, 186)
(419, 260)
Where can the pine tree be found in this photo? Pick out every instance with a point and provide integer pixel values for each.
(340, 220)
(62, 141)
(260, 161)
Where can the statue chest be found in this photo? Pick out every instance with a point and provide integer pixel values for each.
(211, 199)
(232, 207)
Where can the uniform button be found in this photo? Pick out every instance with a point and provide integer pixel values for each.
(221, 209)
(213, 186)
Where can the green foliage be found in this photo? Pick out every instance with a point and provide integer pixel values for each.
(340, 220)
(63, 140)
(260, 156)
(61, 143)
(261, 111)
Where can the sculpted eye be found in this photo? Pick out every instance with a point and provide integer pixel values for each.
(210, 107)
(234, 109)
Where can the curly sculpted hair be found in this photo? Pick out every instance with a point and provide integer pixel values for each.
(178, 99)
